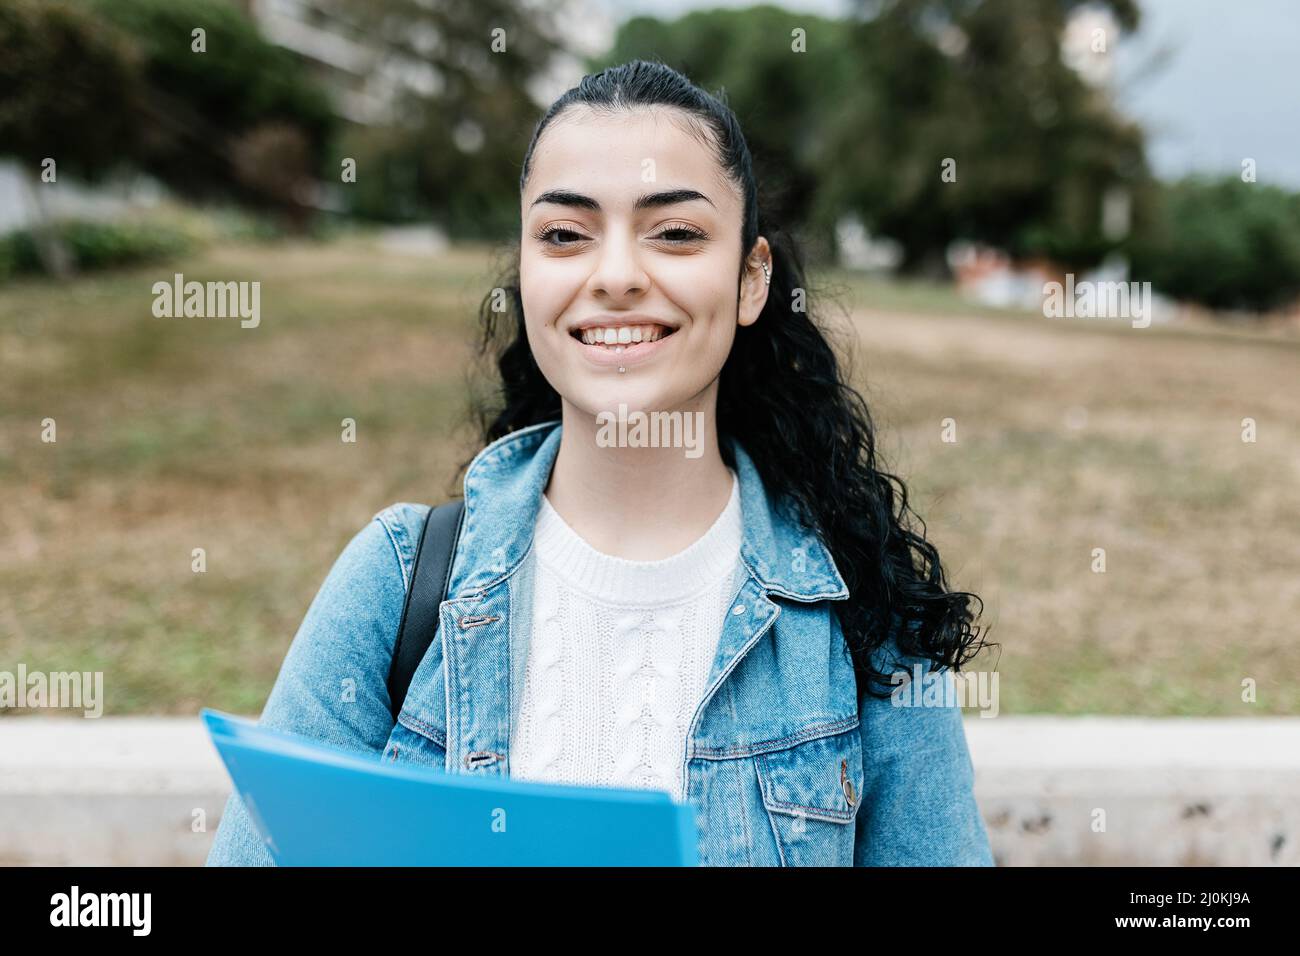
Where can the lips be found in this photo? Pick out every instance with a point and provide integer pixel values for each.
(607, 343)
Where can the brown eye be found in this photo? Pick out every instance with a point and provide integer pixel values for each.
(681, 234)
(546, 236)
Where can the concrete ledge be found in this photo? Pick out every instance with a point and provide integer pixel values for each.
(109, 791)
(1169, 791)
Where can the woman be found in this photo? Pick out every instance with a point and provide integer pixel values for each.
(713, 604)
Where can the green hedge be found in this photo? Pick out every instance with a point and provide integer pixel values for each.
(1223, 243)
(95, 245)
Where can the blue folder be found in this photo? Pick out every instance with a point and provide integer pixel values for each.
(318, 805)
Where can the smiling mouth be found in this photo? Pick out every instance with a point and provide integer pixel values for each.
(623, 337)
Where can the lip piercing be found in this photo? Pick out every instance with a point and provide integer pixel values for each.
(622, 369)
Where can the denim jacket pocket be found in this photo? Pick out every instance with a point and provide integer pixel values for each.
(413, 741)
(812, 791)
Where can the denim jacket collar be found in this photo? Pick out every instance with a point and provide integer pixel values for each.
(503, 489)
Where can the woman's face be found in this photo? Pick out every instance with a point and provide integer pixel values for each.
(629, 258)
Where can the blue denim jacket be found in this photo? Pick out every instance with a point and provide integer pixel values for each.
(784, 763)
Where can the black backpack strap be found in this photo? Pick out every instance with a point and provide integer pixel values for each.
(428, 588)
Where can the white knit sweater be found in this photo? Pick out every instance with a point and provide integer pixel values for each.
(619, 655)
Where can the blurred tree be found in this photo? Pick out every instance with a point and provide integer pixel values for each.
(1224, 243)
(68, 88)
(981, 82)
(239, 117)
(463, 110)
(65, 81)
(863, 120)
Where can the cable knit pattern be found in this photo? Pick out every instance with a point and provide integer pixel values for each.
(620, 654)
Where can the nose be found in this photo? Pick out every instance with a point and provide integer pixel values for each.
(618, 273)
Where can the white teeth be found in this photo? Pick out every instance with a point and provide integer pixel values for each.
(623, 335)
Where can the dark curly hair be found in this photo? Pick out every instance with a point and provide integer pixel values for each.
(782, 396)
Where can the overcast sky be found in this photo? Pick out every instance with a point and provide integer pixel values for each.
(1229, 90)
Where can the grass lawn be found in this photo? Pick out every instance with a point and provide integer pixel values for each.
(175, 434)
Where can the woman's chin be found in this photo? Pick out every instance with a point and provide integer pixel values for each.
(610, 402)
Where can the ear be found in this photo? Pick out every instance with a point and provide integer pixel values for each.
(753, 286)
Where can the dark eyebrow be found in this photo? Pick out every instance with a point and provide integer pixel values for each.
(670, 197)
